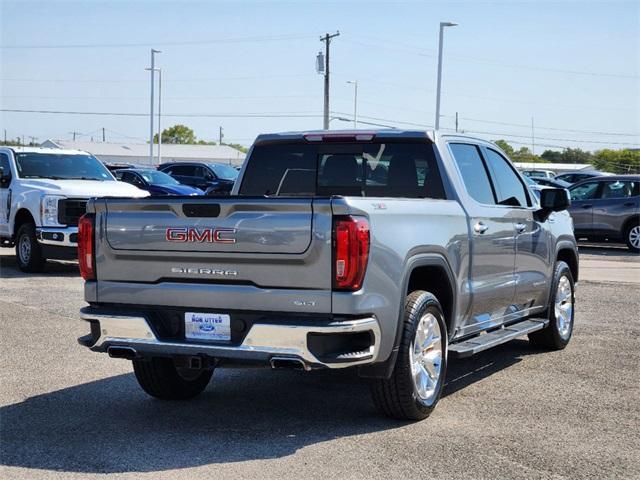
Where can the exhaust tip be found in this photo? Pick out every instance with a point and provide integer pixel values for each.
(279, 363)
(127, 353)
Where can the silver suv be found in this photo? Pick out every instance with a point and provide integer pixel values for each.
(385, 251)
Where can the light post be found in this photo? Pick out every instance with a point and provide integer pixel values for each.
(152, 72)
(355, 102)
(439, 89)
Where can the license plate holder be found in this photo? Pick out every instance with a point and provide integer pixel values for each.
(215, 327)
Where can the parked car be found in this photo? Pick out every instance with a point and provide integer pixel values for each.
(549, 182)
(607, 208)
(155, 182)
(113, 166)
(213, 178)
(575, 177)
(538, 173)
(310, 264)
(534, 186)
(43, 193)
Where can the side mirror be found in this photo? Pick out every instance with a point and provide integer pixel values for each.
(4, 180)
(554, 199)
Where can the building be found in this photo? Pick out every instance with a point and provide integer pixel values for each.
(554, 167)
(138, 153)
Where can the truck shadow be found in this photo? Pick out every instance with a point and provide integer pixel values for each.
(9, 269)
(110, 426)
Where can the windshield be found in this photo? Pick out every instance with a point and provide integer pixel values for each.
(225, 172)
(61, 166)
(154, 177)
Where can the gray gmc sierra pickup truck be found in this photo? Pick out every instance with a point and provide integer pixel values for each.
(387, 251)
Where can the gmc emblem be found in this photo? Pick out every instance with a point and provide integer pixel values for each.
(200, 235)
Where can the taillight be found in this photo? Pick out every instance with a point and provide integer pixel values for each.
(86, 247)
(350, 252)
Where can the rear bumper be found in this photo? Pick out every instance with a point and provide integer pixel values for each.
(262, 343)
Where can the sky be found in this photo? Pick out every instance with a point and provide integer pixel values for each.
(573, 68)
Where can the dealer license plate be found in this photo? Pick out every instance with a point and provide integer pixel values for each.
(207, 326)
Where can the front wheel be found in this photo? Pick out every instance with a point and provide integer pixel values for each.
(415, 386)
(28, 251)
(557, 334)
(632, 237)
(160, 378)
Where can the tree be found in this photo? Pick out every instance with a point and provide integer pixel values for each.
(617, 161)
(552, 156)
(576, 155)
(177, 134)
(506, 148)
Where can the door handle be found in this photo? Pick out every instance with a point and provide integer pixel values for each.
(587, 206)
(480, 227)
(520, 227)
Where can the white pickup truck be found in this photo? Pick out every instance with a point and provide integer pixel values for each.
(43, 192)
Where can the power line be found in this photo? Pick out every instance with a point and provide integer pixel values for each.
(593, 132)
(416, 50)
(550, 138)
(203, 115)
(263, 38)
(131, 80)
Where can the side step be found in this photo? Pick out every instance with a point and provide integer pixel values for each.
(485, 341)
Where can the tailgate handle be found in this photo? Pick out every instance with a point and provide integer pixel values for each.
(201, 209)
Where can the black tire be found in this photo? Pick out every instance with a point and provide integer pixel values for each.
(28, 251)
(159, 377)
(397, 396)
(631, 236)
(551, 337)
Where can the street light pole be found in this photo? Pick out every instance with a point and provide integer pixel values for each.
(152, 72)
(159, 114)
(355, 102)
(439, 88)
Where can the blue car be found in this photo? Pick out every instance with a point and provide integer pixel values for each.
(155, 182)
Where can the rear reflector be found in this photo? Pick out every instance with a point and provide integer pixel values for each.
(86, 247)
(350, 252)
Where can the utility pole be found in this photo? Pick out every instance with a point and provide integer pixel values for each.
(5, 136)
(220, 136)
(439, 88)
(355, 102)
(327, 41)
(533, 143)
(159, 114)
(33, 141)
(103, 135)
(456, 122)
(152, 72)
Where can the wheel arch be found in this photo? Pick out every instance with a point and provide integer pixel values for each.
(628, 223)
(22, 216)
(567, 251)
(425, 271)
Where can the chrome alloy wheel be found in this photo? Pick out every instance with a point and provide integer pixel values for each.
(634, 236)
(563, 307)
(24, 248)
(426, 357)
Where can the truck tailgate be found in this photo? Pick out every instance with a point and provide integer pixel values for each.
(219, 252)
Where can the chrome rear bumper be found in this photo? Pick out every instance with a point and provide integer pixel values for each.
(262, 342)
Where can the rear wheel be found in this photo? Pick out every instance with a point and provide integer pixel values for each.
(160, 378)
(557, 334)
(632, 237)
(28, 251)
(415, 386)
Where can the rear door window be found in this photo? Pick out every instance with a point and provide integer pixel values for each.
(619, 189)
(360, 169)
(509, 188)
(183, 170)
(473, 171)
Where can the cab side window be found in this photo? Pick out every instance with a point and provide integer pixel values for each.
(509, 188)
(473, 171)
(6, 170)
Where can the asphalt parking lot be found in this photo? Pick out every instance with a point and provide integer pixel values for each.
(511, 412)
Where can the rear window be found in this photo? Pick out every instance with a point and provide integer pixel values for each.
(371, 170)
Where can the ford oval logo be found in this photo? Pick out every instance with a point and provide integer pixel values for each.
(206, 327)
